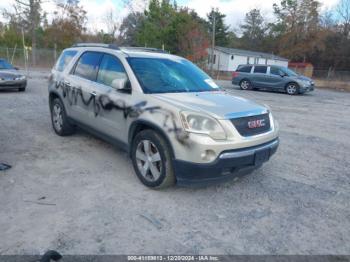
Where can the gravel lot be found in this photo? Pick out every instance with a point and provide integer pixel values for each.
(298, 203)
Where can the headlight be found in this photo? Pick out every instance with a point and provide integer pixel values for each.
(304, 83)
(20, 78)
(200, 124)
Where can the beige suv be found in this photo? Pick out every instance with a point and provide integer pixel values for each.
(172, 118)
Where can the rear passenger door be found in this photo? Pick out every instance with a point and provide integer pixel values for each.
(81, 81)
(260, 77)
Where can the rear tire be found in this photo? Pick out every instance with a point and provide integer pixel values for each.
(60, 121)
(245, 84)
(152, 160)
(292, 89)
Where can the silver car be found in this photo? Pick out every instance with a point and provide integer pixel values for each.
(273, 77)
(10, 78)
(174, 121)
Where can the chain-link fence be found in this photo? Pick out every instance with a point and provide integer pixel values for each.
(337, 75)
(337, 79)
(22, 58)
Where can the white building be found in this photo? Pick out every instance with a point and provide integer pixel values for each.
(228, 59)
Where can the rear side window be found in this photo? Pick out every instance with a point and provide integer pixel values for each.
(260, 69)
(87, 66)
(110, 69)
(244, 69)
(64, 59)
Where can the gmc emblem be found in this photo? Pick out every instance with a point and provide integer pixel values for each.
(256, 123)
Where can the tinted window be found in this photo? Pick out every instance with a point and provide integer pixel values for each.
(244, 69)
(64, 59)
(160, 75)
(275, 71)
(289, 72)
(110, 69)
(87, 65)
(260, 69)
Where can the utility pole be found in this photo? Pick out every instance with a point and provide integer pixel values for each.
(213, 43)
(24, 53)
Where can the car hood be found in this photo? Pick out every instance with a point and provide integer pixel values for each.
(303, 78)
(220, 105)
(9, 74)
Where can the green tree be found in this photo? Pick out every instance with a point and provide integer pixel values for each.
(221, 30)
(155, 29)
(253, 30)
(27, 16)
(131, 25)
(190, 34)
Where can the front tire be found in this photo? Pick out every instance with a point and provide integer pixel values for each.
(60, 121)
(152, 160)
(292, 89)
(245, 84)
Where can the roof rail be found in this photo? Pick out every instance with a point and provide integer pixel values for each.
(144, 49)
(110, 46)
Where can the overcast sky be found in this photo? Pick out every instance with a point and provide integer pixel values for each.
(234, 9)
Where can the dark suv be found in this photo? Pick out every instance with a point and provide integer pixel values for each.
(272, 78)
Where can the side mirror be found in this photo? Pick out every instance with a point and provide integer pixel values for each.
(122, 85)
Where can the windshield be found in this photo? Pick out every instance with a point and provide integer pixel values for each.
(160, 75)
(288, 71)
(5, 65)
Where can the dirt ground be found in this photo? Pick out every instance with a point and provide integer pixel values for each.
(79, 195)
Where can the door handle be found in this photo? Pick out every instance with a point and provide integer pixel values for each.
(93, 93)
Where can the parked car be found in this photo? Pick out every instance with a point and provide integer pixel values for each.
(10, 78)
(173, 120)
(272, 78)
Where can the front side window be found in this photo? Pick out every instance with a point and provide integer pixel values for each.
(110, 69)
(160, 75)
(275, 71)
(64, 59)
(288, 71)
(260, 69)
(87, 65)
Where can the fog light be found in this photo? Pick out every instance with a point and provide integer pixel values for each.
(208, 155)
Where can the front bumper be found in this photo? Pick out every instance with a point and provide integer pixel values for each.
(12, 84)
(229, 164)
(305, 89)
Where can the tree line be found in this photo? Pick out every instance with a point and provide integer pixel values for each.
(299, 31)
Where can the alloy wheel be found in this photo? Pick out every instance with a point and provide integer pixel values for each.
(291, 89)
(148, 160)
(245, 85)
(57, 117)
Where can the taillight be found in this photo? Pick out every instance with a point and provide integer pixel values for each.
(235, 74)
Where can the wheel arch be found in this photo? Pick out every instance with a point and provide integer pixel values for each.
(52, 96)
(291, 82)
(140, 125)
